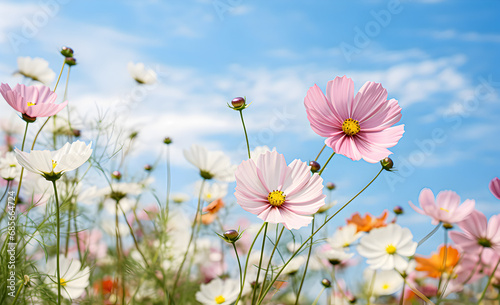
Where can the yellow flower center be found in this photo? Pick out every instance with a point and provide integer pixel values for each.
(31, 104)
(346, 245)
(390, 249)
(443, 209)
(350, 127)
(220, 299)
(209, 196)
(63, 282)
(385, 286)
(54, 164)
(276, 198)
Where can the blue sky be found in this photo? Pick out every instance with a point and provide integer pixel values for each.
(438, 58)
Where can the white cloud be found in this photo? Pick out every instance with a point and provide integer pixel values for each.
(465, 36)
(14, 16)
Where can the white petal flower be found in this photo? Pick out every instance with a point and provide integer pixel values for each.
(180, 197)
(387, 247)
(294, 265)
(36, 68)
(141, 74)
(386, 281)
(212, 164)
(218, 292)
(9, 167)
(336, 256)
(344, 236)
(211, 191)
(73, 280)
(52, 164)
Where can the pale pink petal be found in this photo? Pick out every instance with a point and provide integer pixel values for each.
(320, 112)
(273, 170)
(340, 93)
(476, 224)
(370, 99)
(389, 115)
(495, 187)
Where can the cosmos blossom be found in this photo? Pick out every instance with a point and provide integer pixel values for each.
(495, 187)
(446, 208)
(73, 279)
(31, 101)
(358, 126)
(368, 222)
(478, 233)
(434, 264)
(36, 68)
(277, 192)
(386, 248)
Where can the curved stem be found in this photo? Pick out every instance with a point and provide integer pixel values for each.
(327, 161)
(193, 227)
(246, 263)
(18, 294)
(317, 298)
(402, 297)
(307, 264)
(319, 154)
(58, 237)
(315, 232)
(239, 266)
(489, 282)
(443, 265)
(269, 263)
(418, 293)
(429, 235)
(260, 262)
(246, 135)
(169, 182)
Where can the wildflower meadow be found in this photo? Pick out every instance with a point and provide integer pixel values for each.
(95, 210)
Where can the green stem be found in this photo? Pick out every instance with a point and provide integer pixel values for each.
(18, 294)
(133, 237)
(193, 227)
(443, 265)
(370, 288)
(246, 135)
(429, 235)
(402, 298)
(270, 259)
(327, 161)
(418, 293)
(319, 295)
(307, 264)
(246, 263)
(60, 73)
(483, 294)
(58, 237)
(315, 232)
(319, 154)
(77, 235)
(4, 212)
(68, 230)
(22, 169)
(239, 266)
(260, 262)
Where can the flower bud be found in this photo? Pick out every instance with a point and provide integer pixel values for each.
(133, 135)
(148, 167)
(26, 280)
(231, 234)
(447, 226)
(326, 283)
(70, 61)
(238, 102)
(398, 210)
(387, 163)
(116, 175)
(167, 140)
(314, 166)
(67, 51)
(76, 132)
(330, 186)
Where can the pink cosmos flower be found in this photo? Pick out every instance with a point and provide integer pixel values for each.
(479, 233)
(446, 208)
(278, 193)
(32, 101)
(495, 187)
(355, 126)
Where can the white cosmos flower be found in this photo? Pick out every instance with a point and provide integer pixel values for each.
(52, 164)
(294, 265)
(73, 280)
(36, 68)
(387, 247)
(344, 236)
(211, 191)
(336, 255)
(180, 197)
(212, 164)
(218, 291)
(9, 167)
(386, 281)
(141, 74)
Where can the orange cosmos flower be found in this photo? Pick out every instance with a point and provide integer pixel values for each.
(434, 264)
(368, 222)
(211, 211)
